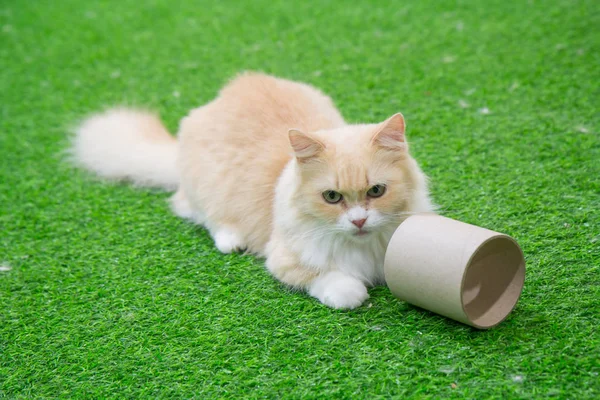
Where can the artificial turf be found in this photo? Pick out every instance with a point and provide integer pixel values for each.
(105, 293)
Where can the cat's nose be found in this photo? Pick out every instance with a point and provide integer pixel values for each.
(359, 222)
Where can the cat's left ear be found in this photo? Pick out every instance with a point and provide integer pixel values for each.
(390, 133)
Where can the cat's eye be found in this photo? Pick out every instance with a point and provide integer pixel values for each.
(332, 197)
(376, 191)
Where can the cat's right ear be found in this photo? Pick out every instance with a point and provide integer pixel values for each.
(305, 147)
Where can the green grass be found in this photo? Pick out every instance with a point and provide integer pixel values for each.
(110, 295)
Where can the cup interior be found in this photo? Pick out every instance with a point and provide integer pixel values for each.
(493, 281)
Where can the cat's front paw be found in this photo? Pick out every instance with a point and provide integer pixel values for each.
(338, 290)
(228, 241)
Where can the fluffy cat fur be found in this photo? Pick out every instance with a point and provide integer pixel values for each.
(252, 166)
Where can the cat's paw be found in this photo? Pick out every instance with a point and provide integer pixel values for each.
(338, 290)
(182, 207)
(228, 241)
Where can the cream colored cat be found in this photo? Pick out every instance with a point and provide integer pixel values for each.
(271, 167)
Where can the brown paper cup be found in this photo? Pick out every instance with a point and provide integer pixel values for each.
(464, 272)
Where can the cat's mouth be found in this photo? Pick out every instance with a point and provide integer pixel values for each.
(361, 232)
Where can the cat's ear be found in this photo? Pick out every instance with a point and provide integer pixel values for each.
(390, 133)
(305, 147)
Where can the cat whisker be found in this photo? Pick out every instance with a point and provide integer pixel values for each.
(321, 232)
(403, 214)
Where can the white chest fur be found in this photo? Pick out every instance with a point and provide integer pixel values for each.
(362, 258)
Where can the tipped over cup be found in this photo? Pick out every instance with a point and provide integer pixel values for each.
(464, 272)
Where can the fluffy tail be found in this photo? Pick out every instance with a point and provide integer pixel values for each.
(129, 145)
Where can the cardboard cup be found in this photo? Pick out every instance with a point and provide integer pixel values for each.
(464, 272)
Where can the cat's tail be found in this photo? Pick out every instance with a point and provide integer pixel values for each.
(125, 144)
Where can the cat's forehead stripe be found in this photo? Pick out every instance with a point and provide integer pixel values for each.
(352, 177)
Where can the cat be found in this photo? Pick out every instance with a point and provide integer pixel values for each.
(271, 167)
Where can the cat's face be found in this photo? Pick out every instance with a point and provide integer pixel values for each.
(354, 181)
